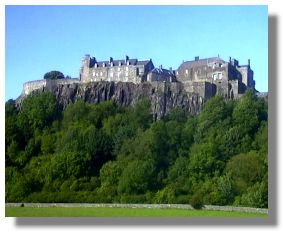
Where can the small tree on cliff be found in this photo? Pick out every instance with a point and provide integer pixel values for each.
(54, 75)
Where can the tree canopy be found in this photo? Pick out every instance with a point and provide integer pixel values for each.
(108, 153)
(54, 75)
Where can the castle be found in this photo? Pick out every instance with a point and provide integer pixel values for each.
(203, 77)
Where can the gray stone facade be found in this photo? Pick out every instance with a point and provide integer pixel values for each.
(161, 74)
(128, 70)
(212, 76)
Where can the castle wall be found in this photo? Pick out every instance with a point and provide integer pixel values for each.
(33, 85)
(152, 76)
(46, 84)
(202, 88)
(244, 74)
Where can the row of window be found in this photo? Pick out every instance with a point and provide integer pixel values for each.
(111, 74)
(215, 76)
(111, 64)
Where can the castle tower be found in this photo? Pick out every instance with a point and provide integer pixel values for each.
(85, 69)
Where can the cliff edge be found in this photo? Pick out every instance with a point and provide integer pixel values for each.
(163, 96)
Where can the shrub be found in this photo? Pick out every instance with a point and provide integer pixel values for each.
(196, 201)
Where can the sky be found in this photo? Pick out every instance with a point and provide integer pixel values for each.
(39, 39)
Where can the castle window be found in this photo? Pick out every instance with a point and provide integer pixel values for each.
(217, 76)
(119, 69)
(95, 65)
(187, 71)
(101, 74)
(214, 76)
(103, 65)
(127, 69)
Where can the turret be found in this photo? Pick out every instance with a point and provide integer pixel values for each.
(84, 72)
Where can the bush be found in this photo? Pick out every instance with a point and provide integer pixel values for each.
(196, 201)
(133, 199)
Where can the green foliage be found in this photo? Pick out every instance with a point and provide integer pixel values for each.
(204, 162)
(166, 196)
(137, 178)
(53, 75)
(69, 164)
(255, 196)
(246, 169)
(246, 113)
(106, 153)
(37, 112)
(196, 201)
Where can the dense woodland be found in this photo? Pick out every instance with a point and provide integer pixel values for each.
(108, 153)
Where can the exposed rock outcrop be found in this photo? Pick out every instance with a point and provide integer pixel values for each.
(162, 96)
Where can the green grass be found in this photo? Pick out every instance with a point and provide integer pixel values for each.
(120, 212)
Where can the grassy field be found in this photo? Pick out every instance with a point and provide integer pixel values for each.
(120, 212)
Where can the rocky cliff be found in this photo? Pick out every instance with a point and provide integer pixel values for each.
(162, 96)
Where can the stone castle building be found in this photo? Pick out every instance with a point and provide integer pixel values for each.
(203, 77)
(128, 70)
(212, 76)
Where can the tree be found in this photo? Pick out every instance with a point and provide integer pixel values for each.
(47, 142)
(109, 176)
(65, 165)
(245, 169)
(246, 113)
(140, 114)
(37, 111)
(211, 118)
(255, 196)
(54, 75)
(203, 161)
(76, 113)
(165, 196)
(177, 114)
(137, 178)
(12, 132)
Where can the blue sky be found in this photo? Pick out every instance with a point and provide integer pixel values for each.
(44, 38)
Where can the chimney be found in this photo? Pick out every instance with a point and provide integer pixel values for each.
(170, 69)
(160, 67)
(230, 59)
(111, 59)
(249, 62)
(127, 60)
(196, 58)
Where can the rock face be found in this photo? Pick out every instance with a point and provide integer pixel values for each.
(162, 96)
